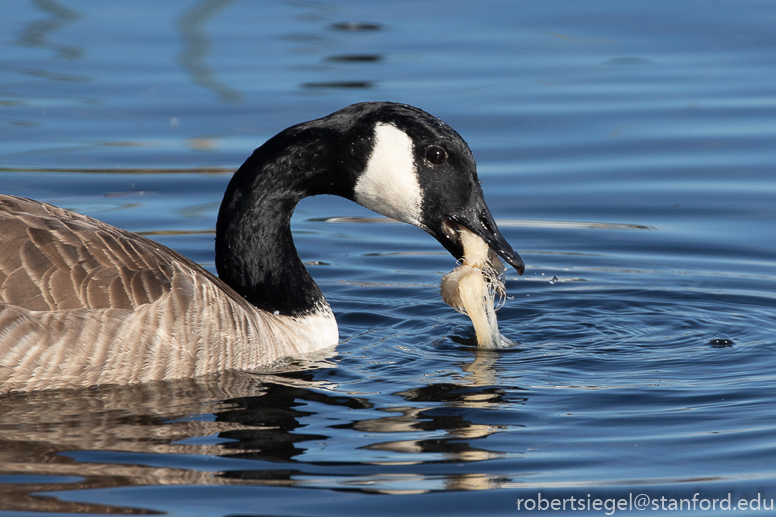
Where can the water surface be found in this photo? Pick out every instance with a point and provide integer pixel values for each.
(626, 151)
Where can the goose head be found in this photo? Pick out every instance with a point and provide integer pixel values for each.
(421, 171)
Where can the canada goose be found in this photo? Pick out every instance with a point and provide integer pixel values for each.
(85, 303)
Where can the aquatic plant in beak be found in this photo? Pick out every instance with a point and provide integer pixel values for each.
(472, 287)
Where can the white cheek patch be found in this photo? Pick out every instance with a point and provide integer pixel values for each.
(389, 185)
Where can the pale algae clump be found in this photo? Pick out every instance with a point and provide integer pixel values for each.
(471, 288)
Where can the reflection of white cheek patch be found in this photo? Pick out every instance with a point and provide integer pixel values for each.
(389, 185)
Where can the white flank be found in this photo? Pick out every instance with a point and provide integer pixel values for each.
(389, 185)
(313, 332)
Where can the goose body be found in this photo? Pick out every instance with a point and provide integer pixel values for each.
(85, 303)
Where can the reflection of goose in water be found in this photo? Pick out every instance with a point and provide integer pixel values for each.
(121, 436)
(84, 303)
(60, 436)
(42, 433)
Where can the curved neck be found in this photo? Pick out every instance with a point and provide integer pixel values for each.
(255, 252)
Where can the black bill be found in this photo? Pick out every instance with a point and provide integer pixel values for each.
(478, 219)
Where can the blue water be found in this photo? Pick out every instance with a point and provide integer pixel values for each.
(626, 150)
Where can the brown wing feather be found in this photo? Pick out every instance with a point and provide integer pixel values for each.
(54, 259)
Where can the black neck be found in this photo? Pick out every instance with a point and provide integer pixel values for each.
(255, 252)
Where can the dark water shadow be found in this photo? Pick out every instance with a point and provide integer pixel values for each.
(339, 65)
(355, 58)
(197, 46)
(37, 34)
(340, 84)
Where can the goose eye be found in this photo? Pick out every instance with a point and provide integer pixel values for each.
(436, 155)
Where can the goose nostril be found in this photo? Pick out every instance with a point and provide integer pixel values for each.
(485, 223)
